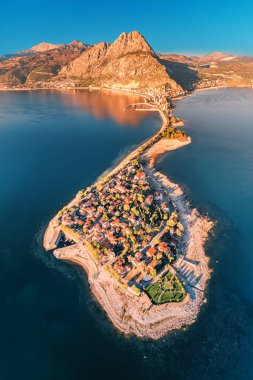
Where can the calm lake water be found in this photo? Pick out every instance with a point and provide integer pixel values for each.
(54, 143)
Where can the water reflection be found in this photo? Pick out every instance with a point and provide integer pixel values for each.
(110, 106)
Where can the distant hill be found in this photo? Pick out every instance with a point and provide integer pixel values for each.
(212, 70)
(29, 69)
(214, 57)
(231, 71)
(40, 48)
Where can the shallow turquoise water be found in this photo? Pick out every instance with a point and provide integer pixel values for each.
(51, 145)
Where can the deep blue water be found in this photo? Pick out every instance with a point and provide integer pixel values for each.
(216, 171)
(51, 145)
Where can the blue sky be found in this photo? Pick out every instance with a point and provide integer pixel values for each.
(186, 26)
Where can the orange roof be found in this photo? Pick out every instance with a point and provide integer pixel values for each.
(119, 267)
(151, 251)
(138, 255)
(153, 264)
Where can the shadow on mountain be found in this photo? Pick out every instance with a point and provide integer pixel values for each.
(186, 76)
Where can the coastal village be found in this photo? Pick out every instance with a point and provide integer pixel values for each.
(130, 227)
(135, 237)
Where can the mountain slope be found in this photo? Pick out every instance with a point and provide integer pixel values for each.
(230, 72)
(213, 70)
(214, 57)
(40, 48)
(42, 66)
(129, 62)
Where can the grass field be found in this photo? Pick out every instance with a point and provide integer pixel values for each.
(166, 289)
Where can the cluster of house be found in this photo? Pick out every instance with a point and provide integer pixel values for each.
(120, 218)
(144, 263)
(51, 84)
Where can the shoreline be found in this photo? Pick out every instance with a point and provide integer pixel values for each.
(134, 315)
(218, 87)
(189, 93)
(85, 88)
(123, 91)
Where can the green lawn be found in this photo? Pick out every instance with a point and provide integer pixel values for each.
(166, 289)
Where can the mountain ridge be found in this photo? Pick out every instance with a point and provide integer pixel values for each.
(40, 48)
(129, 63)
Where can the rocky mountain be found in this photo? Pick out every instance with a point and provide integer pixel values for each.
(214, 57)
(42, 47)
(212, 70)
(127, 63)
(230, 71)
(42, 66)
(182, 69)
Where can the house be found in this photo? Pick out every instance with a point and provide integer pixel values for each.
(152, 264)
(138, 255)
(119, 268)
(135, 262)
(130, 258)
(121, 189)
(106, 225)
(97, 237)
(128, 267)
(165, 207)
(127, 231)
(163, 247)
(115, 223)
(140, 230)
(90, 210)
(149, 199)
(144, 243)
(130, 169)
(111, 238)
(151, 252)
(140, 176)
(66, 221)
(132, 219)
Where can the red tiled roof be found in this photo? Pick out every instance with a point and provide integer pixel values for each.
(151, 251)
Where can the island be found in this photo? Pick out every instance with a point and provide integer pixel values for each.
(138, 240)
